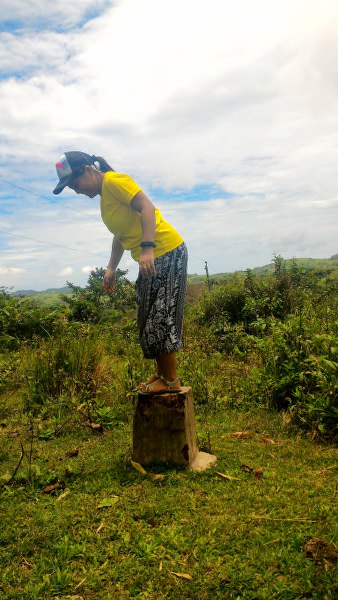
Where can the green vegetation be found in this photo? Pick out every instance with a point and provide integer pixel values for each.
(320, 265)
(79, 521)
(50, 297)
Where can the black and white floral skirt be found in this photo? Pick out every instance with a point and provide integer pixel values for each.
(160, 301)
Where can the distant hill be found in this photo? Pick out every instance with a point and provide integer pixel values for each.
(318, 264)
(324, 265)
(46, 297)
(63, 290)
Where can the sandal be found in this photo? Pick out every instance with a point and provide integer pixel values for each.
(149, 388)
(151, 379)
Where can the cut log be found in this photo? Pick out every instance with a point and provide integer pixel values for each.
(164, 431)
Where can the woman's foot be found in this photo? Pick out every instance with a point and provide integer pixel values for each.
(149, 381)
(161, 386)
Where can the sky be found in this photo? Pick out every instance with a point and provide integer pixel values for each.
(225, 113)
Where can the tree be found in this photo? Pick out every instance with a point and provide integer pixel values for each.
(90, 303)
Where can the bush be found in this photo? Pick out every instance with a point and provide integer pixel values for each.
(299, 370)
(23, 319)
(68, 366)
(91, 304)
(246, 302)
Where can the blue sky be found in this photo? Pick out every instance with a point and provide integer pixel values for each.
(227, 119)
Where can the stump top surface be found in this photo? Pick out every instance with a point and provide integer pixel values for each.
(184, 389)
(169, 399)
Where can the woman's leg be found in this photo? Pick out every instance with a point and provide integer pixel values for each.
(166, 374)
(166, 364)
(166, 368)
(150, 379)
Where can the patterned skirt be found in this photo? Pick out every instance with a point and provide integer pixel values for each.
(160, 301)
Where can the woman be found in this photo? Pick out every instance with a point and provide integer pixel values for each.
(160, 251)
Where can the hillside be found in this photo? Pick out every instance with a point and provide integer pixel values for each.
(26, 293)
(324, 265)
(46, 297)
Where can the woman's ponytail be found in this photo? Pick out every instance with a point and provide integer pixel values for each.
(104, 167)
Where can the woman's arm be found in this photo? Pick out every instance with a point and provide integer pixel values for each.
(142, 205)
(115, 257)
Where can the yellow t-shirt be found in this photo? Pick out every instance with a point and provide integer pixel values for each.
(118, 190)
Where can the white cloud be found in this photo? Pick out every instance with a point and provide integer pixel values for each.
(28, 53)
(59, 14)
(87, 270)
(11, 270)
(66, 271)
(237, 97)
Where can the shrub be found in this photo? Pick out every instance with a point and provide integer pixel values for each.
(23, 319)
(299, 370)
(68, 365)
(91, 304)
(248, 301)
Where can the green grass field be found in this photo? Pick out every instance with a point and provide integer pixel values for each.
(107, 531)
(79, 520)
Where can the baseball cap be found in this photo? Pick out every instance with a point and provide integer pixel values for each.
(71, 164)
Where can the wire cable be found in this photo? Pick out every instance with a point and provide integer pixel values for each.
(51, 244)
(19, 187)
(70, 208)
(24, 237)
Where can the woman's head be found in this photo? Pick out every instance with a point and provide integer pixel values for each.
(81, 172)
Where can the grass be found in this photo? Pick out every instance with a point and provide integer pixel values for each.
(185, 535)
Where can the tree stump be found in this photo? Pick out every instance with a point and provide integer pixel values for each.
(164, 430)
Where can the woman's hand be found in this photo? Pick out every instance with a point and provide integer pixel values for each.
(146, 262)
(109, 281)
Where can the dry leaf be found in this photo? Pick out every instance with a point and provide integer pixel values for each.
(157, 477)
(160, 566)
(49, 489)
(26, 564)
(79, 584)
(138, 467)
(65, 493)
(99, 529)
(72, 453)
(68, 473)
(94, 426)
(228, 477)
(295, 520)
(246, 468)
(241, 434)
(182, 575)
(153, 522)
(258, 473)
(267, 440)
(320, 551)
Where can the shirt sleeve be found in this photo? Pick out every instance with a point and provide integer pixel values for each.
(125, 188)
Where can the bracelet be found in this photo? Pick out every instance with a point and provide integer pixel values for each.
(148, 245)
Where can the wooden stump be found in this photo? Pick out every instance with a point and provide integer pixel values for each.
(164, 431)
